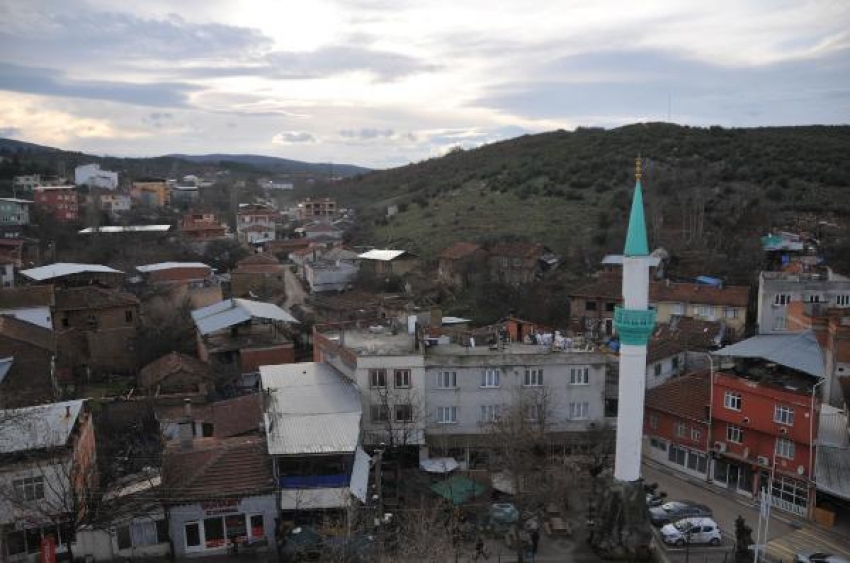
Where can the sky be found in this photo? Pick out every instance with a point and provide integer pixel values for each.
(382, 83)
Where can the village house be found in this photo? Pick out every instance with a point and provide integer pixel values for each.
(70, 274)
(388, 262)
(27, 353)
(96, 329)
(312, 427)
(701, 301)
(777, 290)
(48, 470)
(258, 276)
(26, 184)
(10, 260)
(256, 223)
(183, 273)
(516, 263)
(220, 492)
(151, 192)
(321, 208)
(321, 230)
(14, 211)
(176, 373)
(665, 358)
(92, 176)
(330, 275)
(239, 416)
(202, 227)
(32, 304)
(115, 203)
(59, 201)
(237, 336)
(592, 307)
(172, 285)
(462, 264)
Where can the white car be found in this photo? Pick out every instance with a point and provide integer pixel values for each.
(818, 557)
(692, 530)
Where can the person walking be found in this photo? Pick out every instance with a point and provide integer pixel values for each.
(535, 539)
(479, 549)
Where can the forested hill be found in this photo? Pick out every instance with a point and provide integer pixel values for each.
(705, 188)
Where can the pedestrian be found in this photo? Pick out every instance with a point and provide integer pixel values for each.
(535, 539)
(479, 549)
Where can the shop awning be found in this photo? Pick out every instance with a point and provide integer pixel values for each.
(439, 465)
(458, 489)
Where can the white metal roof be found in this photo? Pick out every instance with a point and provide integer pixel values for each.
(14, 200)
(66, 269)
(799, 351)
(42, 426)
(127, 229)
(831, 471)
(383, 255)
(234, 311)
(617, 260)
(170, 266)
(312, 409)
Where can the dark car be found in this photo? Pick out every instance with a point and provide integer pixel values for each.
(674, 511)
(305, 543)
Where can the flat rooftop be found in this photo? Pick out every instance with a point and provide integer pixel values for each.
(374, 341)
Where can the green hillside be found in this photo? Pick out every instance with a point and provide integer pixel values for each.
(709, 190)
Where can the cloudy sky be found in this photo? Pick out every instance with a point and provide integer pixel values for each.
(386, 82)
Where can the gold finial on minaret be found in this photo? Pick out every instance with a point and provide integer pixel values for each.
(638, 173)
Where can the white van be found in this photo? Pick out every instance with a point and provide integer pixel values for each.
(692, 530)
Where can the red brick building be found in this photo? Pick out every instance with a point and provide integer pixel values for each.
(60, 201)
(202, 227)
(165, 273)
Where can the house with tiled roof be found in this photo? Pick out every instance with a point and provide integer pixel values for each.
(592, 306)
(202, 227)
(220, 492)
(10, 260)
(95, 329)
(461, 264)
(725, 303)
(516, 263)
(676, 424)
(238, 416)
(665, 358)
(176, 373)
(27, 353)
(258, 276)
(29, 303)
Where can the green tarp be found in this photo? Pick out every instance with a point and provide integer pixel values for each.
(458, 489)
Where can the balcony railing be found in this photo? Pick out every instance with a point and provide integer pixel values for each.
(315, 481)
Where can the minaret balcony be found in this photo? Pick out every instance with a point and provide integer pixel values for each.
(634, 326)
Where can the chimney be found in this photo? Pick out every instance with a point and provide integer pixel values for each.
(186, 427)
(67, 411)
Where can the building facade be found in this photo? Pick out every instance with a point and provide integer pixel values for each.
(777, 290)
(92, 176)
(14, 211)
(59, 201)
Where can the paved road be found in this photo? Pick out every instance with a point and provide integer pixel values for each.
(295, 294)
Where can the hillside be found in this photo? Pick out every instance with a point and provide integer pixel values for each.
(277, 165)
(709, 191)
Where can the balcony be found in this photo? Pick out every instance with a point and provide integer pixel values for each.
(315, 481)
(634, 327)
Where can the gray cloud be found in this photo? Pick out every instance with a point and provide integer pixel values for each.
(366, 134)
(329, 61)
(50, 82)
(293, 137)
(9, 131)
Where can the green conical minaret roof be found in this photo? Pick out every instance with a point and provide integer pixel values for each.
(636, 244)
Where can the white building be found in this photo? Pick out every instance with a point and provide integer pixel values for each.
(777, 290)
(26, 183)
(115, 203)
(325, 275)
(91, 175)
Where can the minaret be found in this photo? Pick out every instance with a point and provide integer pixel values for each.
(634, 322)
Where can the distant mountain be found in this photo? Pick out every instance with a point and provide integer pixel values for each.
(12, 145)
(277, 165)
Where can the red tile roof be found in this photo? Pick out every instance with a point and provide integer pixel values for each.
(22, 331)
(231, 417)
(91, 297)
(517, 249)
(732, 296)
(231, 467)
(170, 364)
(660, 348)
(686, 396)
(26, 296)
(605, 287)
(459, 250)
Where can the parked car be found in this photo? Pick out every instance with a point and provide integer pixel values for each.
(818, 557)
(676, 510)
(305, 543)
(692, 530)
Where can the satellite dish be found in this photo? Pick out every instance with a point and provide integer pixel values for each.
(800, 470)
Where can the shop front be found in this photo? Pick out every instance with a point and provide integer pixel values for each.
(735, 475)
(213, 526)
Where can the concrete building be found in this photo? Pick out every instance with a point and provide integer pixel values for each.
(384, 262)
(202, 227)
(727, 304)
(27, 375)
(326, 275)
(258, 276)
(115, 204)
(32, 304)
(26, 184)
(256, 223)
(151, 192)
(60, 201)
(14, 211)
(183, 273)
(777, 290)
(320, 208)
(92, 176)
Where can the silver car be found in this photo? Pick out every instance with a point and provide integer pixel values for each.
(818, 557)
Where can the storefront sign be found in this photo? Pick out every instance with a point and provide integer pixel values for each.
(220, 506)
(48, 550)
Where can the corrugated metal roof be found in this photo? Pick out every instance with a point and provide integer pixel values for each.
(60, 269)
(360, 474)
(42, 426)
(832, 471)
(234, 311)
(126, 229)
(617, 260)
(170, 266)
(311, 409)
(799, 351)
(383, 255)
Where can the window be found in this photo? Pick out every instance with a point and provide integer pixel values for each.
(214, 532)
(404, 413)
(29, 488)
(609, 307)
(732, 400)
(695, 434)
(380, 413)
(489, 413)
(140, 534)
(446, 415)
(535, 412)
(578, 411)
(653, 421)
(447, 379)
(579, 376)
(533, 377)
(842, 300)
(785, 448)
(703, 311)
(781, 299)
(402, 378)
(681, 429)
(812, 298)
(590, 305)
(490, 378)
(678, 308)
(657, 369)
(674, 363)
(378, 378)
(731, 313)
(779, 322)
(783, 415)
(128, 316)
(734, 433)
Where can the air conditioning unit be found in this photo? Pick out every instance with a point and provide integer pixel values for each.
(591, 425)
(720, 446)
(764, 460)
(783, 430)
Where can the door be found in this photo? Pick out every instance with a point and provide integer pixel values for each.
(734, 474)
(192, 532)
